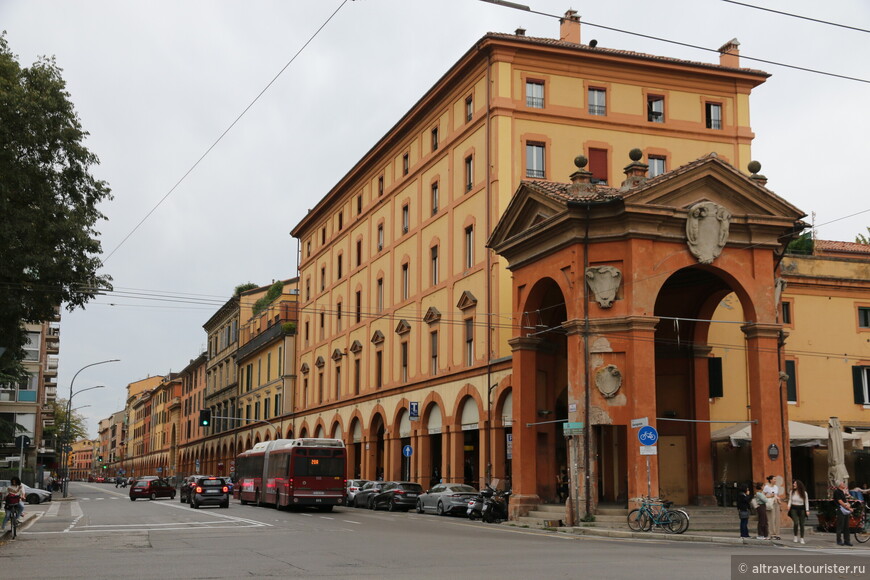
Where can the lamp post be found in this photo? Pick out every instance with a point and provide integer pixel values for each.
(68, 425)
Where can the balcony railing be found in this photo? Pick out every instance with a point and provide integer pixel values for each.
(535, 173)
(535, 102)
(598, 110)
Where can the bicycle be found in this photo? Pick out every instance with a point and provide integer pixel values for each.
(14, 518)
(656, 512)
(862, 530)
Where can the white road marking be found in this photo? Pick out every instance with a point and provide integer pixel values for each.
(326, 518)
(307, 515)
(350, 522)
(52, 510)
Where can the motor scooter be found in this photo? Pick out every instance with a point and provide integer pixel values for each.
(495, 506)
(475, 507)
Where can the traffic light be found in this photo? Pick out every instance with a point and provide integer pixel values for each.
(105, 466)
(205, 417)
(101, 459)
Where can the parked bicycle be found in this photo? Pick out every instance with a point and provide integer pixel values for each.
(654, 512)
(862, 527)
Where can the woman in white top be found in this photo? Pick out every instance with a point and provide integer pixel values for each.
(798, 508)
(772, 492)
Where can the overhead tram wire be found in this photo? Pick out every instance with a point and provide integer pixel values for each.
(222, 135)
(828, 22)
(684, 44)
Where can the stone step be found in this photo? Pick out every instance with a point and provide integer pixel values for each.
(551, 508)
(533, 522)
(547, 515)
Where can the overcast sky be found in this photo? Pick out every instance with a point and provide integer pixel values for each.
(156, 83)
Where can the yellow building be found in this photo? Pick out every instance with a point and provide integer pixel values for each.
(406, 315)
(82, 460)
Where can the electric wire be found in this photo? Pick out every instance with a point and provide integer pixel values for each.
(828, 22)
(222, 135)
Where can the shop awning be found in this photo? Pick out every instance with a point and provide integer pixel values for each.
(801, 435)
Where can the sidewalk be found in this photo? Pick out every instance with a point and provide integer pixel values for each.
(813, 538)
(7, 533)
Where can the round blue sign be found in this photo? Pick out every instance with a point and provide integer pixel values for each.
(407, 451)
(647, 435)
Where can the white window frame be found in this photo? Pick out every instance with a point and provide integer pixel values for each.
(535, 161)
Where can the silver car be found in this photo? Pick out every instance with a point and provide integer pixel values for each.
(446, 498)
(353, 487)
(31, 494)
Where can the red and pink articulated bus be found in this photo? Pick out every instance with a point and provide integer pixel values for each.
(293, 473)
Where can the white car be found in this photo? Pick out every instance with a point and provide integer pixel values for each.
(31, 494)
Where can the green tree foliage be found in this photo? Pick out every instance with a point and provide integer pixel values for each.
(48, 202)
(244, 288)
(272, 293)
(802, 245)
(78, 429)
(9, 430)
(862, 239)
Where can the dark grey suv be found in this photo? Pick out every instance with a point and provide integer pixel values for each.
(209, 490)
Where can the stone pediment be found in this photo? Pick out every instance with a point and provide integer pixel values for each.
(403, 327)
(432, 316)
(710, 179)
(319, 362)
(466, 300)
(528, 209)
(356, 347)
(377, 337)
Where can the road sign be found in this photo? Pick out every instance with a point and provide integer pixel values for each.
(414, 410)
(509, 446)
(649, 450)
(572, 428)
(642, 422)
(22, 441)
(407, 451)
(647, 435)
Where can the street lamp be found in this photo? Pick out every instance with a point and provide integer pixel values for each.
(68, 426)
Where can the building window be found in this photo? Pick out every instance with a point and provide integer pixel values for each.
(469, 247)
(306, 332)
(405, 164)
(380, 185)
(469, 341)
(434, 198)
(404, 349)
(435, 139)
(380, 295)
(340, 221)
(379, 369)
(598, 165)
(322, 325)
(358, 253)
(406, 282)
(469, 173)
(320, 387)
(791, 384)
(380, 237)
(257, 411)
(861, 385)
(277, 405)
(338, 317)
(656, 165)
(268, 367)
(597, 102)
(340, 267)
(308, 249)
(266, 408)
(322, 278)
(356, 376)
(433, 338)
(535, 94)
(323, 236)
(786, 312)
(535, 160)
(655, 109)
(713, 114)
(863, 317)
(280, 366)
(714, 377)
(308, 288)
(359, 204)
(358, 306)
(469, 108)
(337, 383)
(434, 252)
(406, 218)
(305, 392)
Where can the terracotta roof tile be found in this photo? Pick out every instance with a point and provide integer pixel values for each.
(562, 192)
(615, 52)
(835, 246)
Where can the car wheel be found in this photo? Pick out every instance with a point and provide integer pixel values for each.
(132, 499)
(226, 505)
(192, 506)
(180, 498)
(439, 509)
(172, 496)
(419, 507)
(33, 498)
(153, 496)
(391, 507)
(371, 503)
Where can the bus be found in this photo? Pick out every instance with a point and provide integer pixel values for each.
(293, 473)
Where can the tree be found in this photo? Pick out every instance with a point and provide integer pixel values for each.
(49, 251)
(78, 429)
(862, 239)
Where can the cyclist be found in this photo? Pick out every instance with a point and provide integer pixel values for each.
(13, 500)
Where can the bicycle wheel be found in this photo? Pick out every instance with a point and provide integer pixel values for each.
(634, 519)
(678, 522)
(862, 534)
(646, 521)
(14, 520)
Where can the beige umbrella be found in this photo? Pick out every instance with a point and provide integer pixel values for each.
(836, 454)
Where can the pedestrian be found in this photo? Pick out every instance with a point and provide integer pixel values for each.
(844, 511)
(772, 492)
(761, 510)
(798, 509)
(743, 500)
(436, 478)
(562, 485)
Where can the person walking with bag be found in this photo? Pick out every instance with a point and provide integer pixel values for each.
(844, 512)
(798, 509)
(772, 491)
(760, 501)
(743, 500)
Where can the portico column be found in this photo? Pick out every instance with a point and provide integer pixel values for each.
(764, 399)
(524, 477)
(704, 494)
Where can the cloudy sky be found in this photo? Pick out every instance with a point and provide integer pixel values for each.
(156, 84)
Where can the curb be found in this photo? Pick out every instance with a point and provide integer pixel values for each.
(627, 534)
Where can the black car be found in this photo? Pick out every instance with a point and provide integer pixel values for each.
(364, 496)
(184, 488)
(397, 496)
(209, 490)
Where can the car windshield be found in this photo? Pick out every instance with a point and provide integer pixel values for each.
(411, 486)
(211, 483)
(462, 489)
(142, 483)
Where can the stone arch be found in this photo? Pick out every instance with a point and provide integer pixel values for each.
(464, 393)
(337, 423)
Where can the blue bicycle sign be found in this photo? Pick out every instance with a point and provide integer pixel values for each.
(647, 435)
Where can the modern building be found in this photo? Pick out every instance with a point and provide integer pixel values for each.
(408, 320)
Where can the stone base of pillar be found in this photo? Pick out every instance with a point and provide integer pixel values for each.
(706, 501)
(521, 505)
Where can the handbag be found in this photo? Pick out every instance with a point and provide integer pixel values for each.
(771, 503)
(845, 511)
(753, 503)
(744, 514)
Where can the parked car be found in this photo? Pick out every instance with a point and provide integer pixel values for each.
(446, 498)
(152, 489)
(209, 490)
(397, 496)
(353, 487)
(364, 495)
(31, 494)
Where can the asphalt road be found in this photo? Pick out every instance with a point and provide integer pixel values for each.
(102, 534)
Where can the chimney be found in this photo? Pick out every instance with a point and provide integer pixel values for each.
(520, 32)
(729, 54)
(569, 27)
